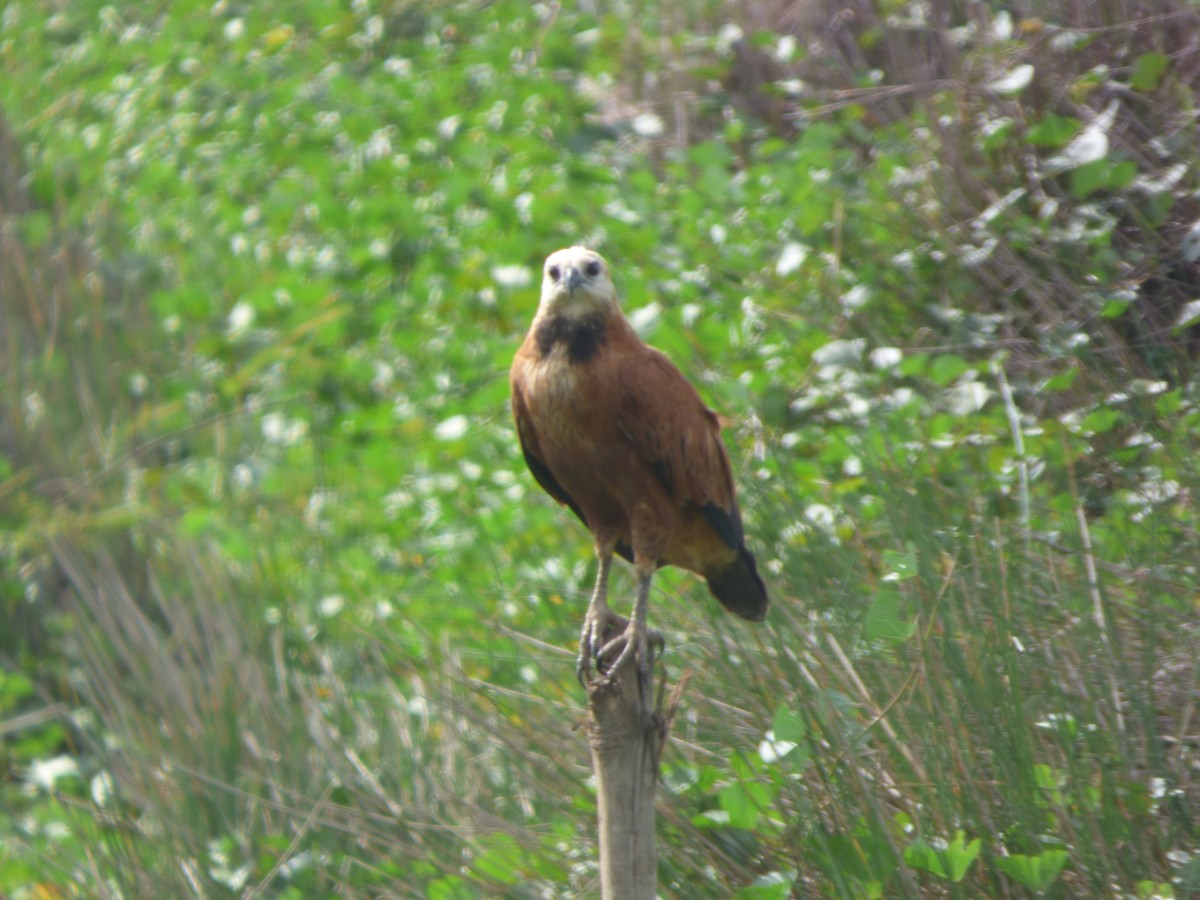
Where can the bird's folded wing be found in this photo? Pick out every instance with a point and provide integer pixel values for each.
(679, 437)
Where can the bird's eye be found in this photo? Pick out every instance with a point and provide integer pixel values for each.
(553, 273)
(592, 269)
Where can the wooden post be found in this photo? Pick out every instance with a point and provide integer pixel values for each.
(627, 730)
(625, 735)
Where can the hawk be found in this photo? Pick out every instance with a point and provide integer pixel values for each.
(612, 429)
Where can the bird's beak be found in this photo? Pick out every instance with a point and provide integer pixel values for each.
(574, 280)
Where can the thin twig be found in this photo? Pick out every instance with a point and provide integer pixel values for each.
(313, 815)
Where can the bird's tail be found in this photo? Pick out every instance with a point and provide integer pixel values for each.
(739, 588)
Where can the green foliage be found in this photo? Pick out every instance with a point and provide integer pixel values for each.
(951, 859)
(1034, 872)
(268, 540)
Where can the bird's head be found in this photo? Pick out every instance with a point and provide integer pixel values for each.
(575, 282)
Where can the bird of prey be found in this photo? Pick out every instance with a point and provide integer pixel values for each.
(612, 429)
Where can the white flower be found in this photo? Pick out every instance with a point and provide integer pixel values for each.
(648, 125)
(398, 66)
(820, 515)
(791, 258)
(1014, 82)
(1088, 146)
(886, 357)
(840, 353)
(102, 789)
(1190, 247)
(513, 276)
(331, 605)
(772, 750)
(452, 428)
(856, 297)
(46, 773)
(448, 127)
(644, 319)
(241, 317)
(967, 397)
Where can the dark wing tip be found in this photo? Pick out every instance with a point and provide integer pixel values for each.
(727, 524)
(739, 587)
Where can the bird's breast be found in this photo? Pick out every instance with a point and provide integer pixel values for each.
(555, 395)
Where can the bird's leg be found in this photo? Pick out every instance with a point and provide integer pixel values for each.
(597, 619)
(638, 638)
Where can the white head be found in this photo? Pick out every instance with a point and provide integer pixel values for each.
(575, 282)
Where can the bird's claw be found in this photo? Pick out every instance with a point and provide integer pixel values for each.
(615, 649)
(599, 633)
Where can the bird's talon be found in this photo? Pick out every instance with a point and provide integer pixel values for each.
(656, 643)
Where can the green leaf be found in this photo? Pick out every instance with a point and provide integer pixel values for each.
(921, 855)
(950, 862)
(960, 855)
(1053, 131)
(501, 862)
(1090, 177)
(1148, 71)
(788, 725)
(449, 888)
(1114, 308)
(743, 802)
(1049, 783)
(884, 621)
(946, 367)
(1169, 403)
(1061, 381)
(1187, 876)
(914, 364)
(997, 133)
(1035, 872)
(14, 687)
(1122, 174)
(1101, 420)
(901, 564)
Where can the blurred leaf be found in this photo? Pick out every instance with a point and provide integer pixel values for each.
(1053, 131)
(914, 364)
(1122, 174)
(772, 886)
(1090, 177)
(450, 887)
(1169, 403)
(1187, 876)
(884, 621)
(1061, 381)
(1102, 420)
(900, 564)
(742, 803)
(501, 862)
(1034, 872)
(1114, 308)
(1148, 71)
(788, 725)
(951, 861)
(946, 367)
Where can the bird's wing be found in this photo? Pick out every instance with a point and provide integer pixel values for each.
(679, 438)
(527, 434)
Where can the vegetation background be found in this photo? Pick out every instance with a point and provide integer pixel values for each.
(283, 614)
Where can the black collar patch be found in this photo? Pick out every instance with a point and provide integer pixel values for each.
(583, 336)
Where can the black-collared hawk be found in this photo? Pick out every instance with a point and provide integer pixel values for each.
(613, 430)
